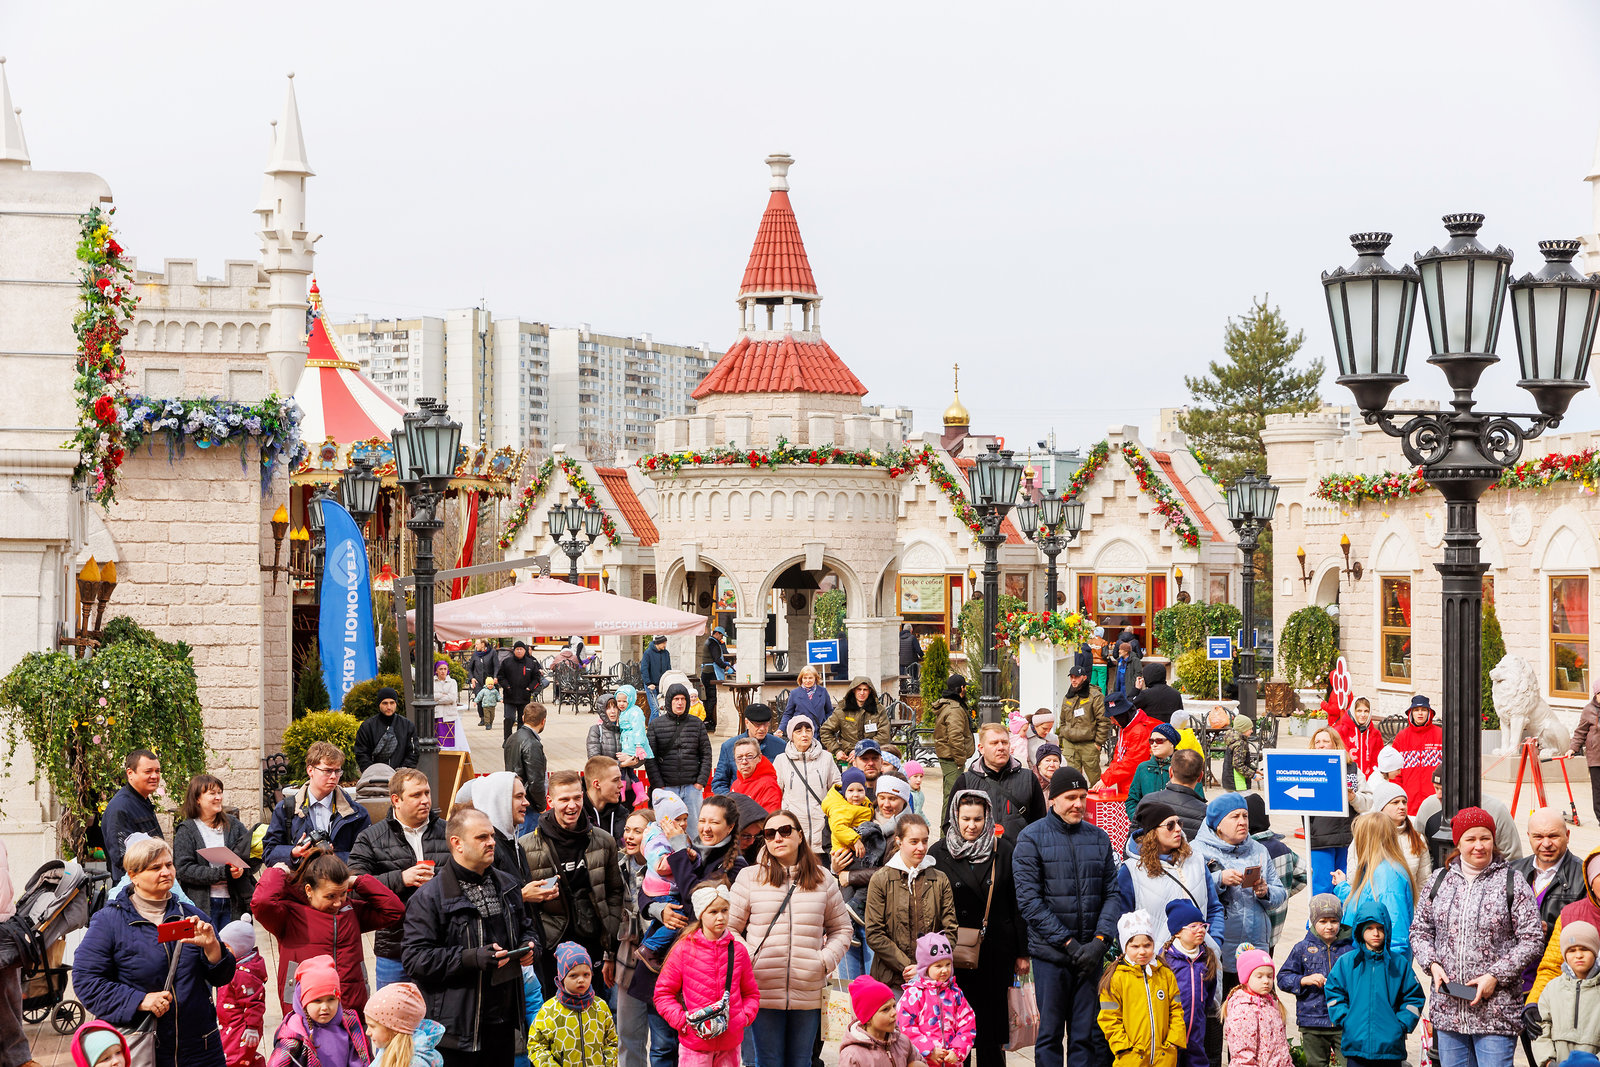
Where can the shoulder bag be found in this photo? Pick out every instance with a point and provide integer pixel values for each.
(712, 1020)
(775, 917)
(969, 941)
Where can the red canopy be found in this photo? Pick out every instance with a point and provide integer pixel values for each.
(548, 606)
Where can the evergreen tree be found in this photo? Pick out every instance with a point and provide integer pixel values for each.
(309, 693)
(1256, 378)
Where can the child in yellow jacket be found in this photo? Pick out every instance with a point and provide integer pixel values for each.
(847, 807)
(574, 1028)
(1140, 1013)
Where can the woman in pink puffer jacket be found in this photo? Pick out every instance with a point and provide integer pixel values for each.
(706, 964)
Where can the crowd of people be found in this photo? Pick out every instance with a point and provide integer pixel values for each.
(565, 917)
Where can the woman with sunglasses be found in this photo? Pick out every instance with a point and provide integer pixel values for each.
(978, 864)
(1161, 867)
(792, 915)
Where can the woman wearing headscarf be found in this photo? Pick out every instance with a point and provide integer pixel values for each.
(446, 693)
(977, 863)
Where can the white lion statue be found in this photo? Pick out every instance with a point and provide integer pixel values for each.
(1519, 701)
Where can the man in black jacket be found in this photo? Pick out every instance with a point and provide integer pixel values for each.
(458, 927)
(1157, 699)
(1554, 872)
(519, 678)
(682, 761)
(1182, 793)
(387, 737)
(1013, 789)
(524, 757)
(655, 662)
(712, 669)
(129, 810)
(403, 852)
(602, 796)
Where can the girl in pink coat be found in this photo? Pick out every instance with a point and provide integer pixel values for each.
(707, 987)
(933, 1013)
(1253, 1018)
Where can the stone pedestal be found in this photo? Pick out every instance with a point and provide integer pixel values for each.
(1042, 676)
(750, 661)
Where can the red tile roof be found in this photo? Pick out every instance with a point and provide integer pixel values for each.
(615, 480)
(1164, 461)
(786, 366)
(778, 261)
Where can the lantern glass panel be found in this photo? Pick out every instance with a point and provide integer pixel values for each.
(1265, 500)
(983, 478)
(1008, 480)
(1028, 518)
(558, 522)
(402, 454)
(574, 516)
(1239, 501)
(1072, 516)
(591, 521)
(1050, 509)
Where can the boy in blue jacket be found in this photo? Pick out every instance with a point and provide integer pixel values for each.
(1304, 976)
(1377, 989)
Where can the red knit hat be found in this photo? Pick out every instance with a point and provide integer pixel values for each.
(867, 995)
(317, 978)
(1466, 819)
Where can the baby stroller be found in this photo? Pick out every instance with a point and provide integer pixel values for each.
(58, 899)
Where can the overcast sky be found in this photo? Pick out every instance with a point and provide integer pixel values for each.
(1069, 199)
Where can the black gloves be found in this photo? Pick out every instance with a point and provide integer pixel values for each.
(1087, 955)
(1532, 1021)
(479, 959)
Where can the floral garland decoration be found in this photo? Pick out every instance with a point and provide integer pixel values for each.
(525, 500)
(585, 492)
(897, 461)
(1165, 502)
(541, 482)
(105, 285)
(1205, 465)
(1582, 467)
(1087, 470)
(273, 423)
(1062, 629)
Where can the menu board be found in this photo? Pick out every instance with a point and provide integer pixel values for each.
(922, 594)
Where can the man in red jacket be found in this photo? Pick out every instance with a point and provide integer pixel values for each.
(1421, 743)
(1133, 748)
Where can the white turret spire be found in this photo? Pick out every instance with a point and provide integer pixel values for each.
(287, 245)
(13, 149)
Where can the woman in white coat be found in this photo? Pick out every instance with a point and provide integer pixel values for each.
(806, 771)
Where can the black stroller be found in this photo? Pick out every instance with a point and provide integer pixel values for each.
(58, 899)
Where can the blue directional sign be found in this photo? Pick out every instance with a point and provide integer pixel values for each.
(1302, 782)
(1219, 648)
(1255, 638)
(822, 653)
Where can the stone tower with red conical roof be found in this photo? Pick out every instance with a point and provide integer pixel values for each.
(744, 531)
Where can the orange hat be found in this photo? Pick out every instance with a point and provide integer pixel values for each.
(316, 978)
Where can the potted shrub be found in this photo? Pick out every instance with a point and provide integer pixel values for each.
(1307, 652)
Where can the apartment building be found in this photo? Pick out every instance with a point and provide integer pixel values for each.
(609, 391)
(403, 357)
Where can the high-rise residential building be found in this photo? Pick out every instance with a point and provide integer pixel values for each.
(403, 357)
(607, 392)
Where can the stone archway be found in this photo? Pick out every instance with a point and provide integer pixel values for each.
(797, 589)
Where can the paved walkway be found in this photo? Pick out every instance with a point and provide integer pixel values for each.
(564, 739)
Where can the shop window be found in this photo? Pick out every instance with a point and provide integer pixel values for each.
(1395, 642)
(1569, 637)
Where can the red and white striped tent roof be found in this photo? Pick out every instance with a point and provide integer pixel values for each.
(339, 401)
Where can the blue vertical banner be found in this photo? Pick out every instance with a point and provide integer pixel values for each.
(345, 638)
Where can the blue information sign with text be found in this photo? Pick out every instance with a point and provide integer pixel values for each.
(1219, 648)
(822, 653)
(1301, 782)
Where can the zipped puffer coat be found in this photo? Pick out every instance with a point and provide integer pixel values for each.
(1376, 990)
(1141, 1015)
(694, 976)
(792, 953)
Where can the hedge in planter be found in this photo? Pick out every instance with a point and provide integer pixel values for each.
(1197, 676)
(1306, 648)
(362, 700)
(1181, 627)
(333, 726)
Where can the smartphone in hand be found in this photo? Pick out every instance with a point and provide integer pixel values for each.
(1461, 990)
(1252, 877)
(176, 930)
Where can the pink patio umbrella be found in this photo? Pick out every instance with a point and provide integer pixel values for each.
(548, 606)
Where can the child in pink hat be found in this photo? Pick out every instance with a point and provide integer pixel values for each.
(934, 1014)
(1253, 1017)
(874, 1040)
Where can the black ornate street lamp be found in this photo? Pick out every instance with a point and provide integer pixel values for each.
(1251, 500)
(581, 525)
(995, 481)
(1052, 523)
(358, 490)
(425, 451)
(319, 544)
(1462, 451)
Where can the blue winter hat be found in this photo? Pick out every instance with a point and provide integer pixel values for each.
(1581, 1059)
(1222, 805)
(1167, 731)
(570, 954)
(1181, 913)
(852, 776)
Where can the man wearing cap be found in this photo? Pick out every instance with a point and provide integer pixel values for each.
(1154, 773)
(1083, 725)
(867, 757)
(519, 678)
(387, 737)
(1555, 874)
(1012, 788)
(655, 662)
(713, 669)
(758, 728)
(1421, 744)
(1066, 883)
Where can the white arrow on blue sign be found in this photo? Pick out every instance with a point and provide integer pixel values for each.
(1301, 782)
(822, 653)
(1219, 648)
